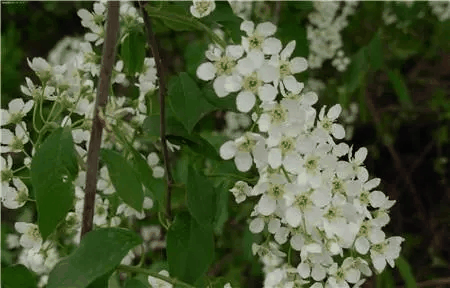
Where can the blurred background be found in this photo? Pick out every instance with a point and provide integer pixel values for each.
(392, 76)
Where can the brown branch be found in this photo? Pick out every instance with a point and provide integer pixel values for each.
(397, 162)
(109, 53)
(440, 282)
(162, 103)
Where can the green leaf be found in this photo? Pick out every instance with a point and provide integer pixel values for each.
(385, 279)
(225, 103)
(222, 196)
(224, 15)
(135, 283)
(357, 71)
(201, 198)
(151, 126)
(124, 178)
(175, 16)
(17, 276)
(154, 185)
(401, 90)
(53, 170)
(196, 143)
(186, 100)
(375, 51)
(194, 55)
(132, 52)
(100, 251)
(114, 281)
(190, 248)
(290, 29)
(405, 271)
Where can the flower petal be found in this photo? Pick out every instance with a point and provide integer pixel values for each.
(245, 101)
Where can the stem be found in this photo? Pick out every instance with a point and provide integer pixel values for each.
(286, 174)
(162, 103)
(172, 281)
(109, 53)
(225, 175)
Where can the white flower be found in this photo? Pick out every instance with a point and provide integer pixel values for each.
(223, 65)
(286, 68)
(88, 19)
(326, 123)
(354, 166)
(6, 173)
(12, 241)
(253, 73)
(100, 211)
(258, 39)
(31, 238)
(240, 150)
(14, 142)
(158, 283)
(36, 92)
(240, 191)
(104, 183)
(387, 251)
(152, 160)
(17, 110)
(41, 67)
(202, 8)
(15, 197)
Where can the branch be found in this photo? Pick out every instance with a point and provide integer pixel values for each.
(162, 104)
(434, 282)
(109, 53)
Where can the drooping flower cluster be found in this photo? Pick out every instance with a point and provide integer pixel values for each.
(313, 192)
(325, 42)
(65, 84)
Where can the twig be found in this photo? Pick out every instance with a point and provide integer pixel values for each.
(109, 53)
(440, 282)
(397, 161)
(162, 103)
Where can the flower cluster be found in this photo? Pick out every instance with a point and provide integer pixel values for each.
(66, 87)
(313, 191)
(325, 42)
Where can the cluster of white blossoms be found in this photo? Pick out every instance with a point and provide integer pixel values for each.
(327, 20)
(66, 86)
(440, 9)
(313, 192)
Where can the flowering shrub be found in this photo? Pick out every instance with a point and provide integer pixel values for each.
(107, 151)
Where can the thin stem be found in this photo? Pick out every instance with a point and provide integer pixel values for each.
(286, 174)
(225, 175)
(172, 281)
(34, 117)
(109, 53)
(162, 103)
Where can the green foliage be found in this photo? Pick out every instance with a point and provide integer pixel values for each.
(132, 52)
(201, 198)
(53, 170)
(406, 272)
(190, 248)
(17, 276)
(124, 178)
(100, 251)
(135, 283)
(224, 15)
(186, 100)
(401, 90)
